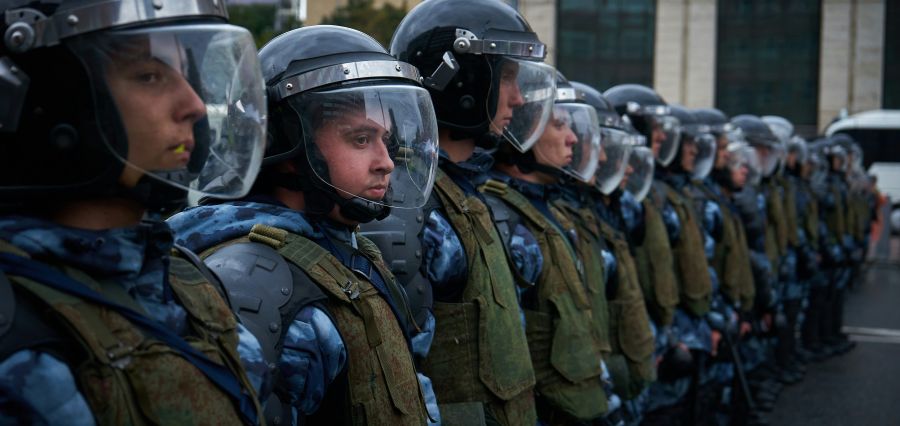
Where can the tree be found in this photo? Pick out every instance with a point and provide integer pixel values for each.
(363, 16)
(260, 19)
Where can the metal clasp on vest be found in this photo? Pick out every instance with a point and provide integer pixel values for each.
(351, 289)
(119, 355)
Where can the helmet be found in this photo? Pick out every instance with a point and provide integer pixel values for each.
(743, 167)
(797, 146)
(714, 118)
(616, 143)
(758, 134)
(650, 115)
(337, 97)
(570, 108)
(853, 150)
(483, 66)
(697, 141)
(164, 99)
(783, 130)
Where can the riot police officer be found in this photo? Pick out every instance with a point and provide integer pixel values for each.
(483, 67)
(349, 125)
(559, 306)
(109, 119)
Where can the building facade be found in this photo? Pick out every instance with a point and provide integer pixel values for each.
(803, 59)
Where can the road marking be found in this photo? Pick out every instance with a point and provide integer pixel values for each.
(870, 331)
(874, 339)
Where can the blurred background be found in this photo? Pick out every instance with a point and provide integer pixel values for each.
(807, 60)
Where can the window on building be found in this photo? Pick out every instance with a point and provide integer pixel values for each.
(891, 76)
(606, 42)
(767, 59)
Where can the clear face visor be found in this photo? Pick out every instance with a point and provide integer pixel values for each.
(665, 137)
(613, 161)
(586, 126)
(641, 164)
(377, 143)
(525, 94)
(191, 100)
(705, 157)
(770, 156)
(797, 146)
(570, 141)
(744, 165)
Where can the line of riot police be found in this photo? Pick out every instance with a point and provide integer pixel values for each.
(445, 232)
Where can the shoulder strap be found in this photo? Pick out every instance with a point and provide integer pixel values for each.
(218, 374)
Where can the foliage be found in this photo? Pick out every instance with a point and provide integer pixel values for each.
(363, 16)
(261, 20)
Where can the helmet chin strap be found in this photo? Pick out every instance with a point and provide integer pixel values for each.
(156, 196)
(528, 164)
(321, 198)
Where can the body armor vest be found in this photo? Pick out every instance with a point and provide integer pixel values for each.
(810, 215)
(382, 387)
(130, 378)
(630, 333)
(589, 246)
(564, 349)
(776, 225)
(656, 267)
(731, 259)
(480, 352)
(690, 257)
(836, 216)
(790, 210)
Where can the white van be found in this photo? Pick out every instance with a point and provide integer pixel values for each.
(878, 134)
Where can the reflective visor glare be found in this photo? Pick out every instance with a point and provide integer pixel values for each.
(209, 76)
(525, 93)
(640, 172)
(665, 138)
(613, 159)
(706, 155)
(377, 143)
(585, 125)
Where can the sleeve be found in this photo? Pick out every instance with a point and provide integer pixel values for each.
(443, 257)
(37, 388)
(526, 254)
(314, 355)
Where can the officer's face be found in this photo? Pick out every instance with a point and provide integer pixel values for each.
(554, 148)
(355, 149)
(158, 109)
(739, 176)
(628, 171)
(721, 152)
(657, 138)
(509, 96)
(791, 159)
(688, 155)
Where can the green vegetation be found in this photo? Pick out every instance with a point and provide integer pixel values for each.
(260, 19)
(362, 15)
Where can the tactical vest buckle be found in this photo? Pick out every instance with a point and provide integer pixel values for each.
(120, 355)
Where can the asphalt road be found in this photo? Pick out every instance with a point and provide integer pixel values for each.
(863, 386)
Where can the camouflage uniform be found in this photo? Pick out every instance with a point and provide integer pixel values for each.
(37, 385)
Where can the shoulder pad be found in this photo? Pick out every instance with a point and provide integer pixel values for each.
(506, 219)
(29, 324)
(398, 238)
(264, 290)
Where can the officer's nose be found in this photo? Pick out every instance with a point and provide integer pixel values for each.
(189, 107)
(382, 163)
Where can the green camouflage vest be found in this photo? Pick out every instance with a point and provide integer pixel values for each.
(836, 218)
(480, 352)
(810, 216)
(589, 246)
(564, 349)
(776, 225)
(790, 210)
(129, 378)
(731, 259)
(382, 384)
(690, 257)
(656, 267)
(630, 333)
